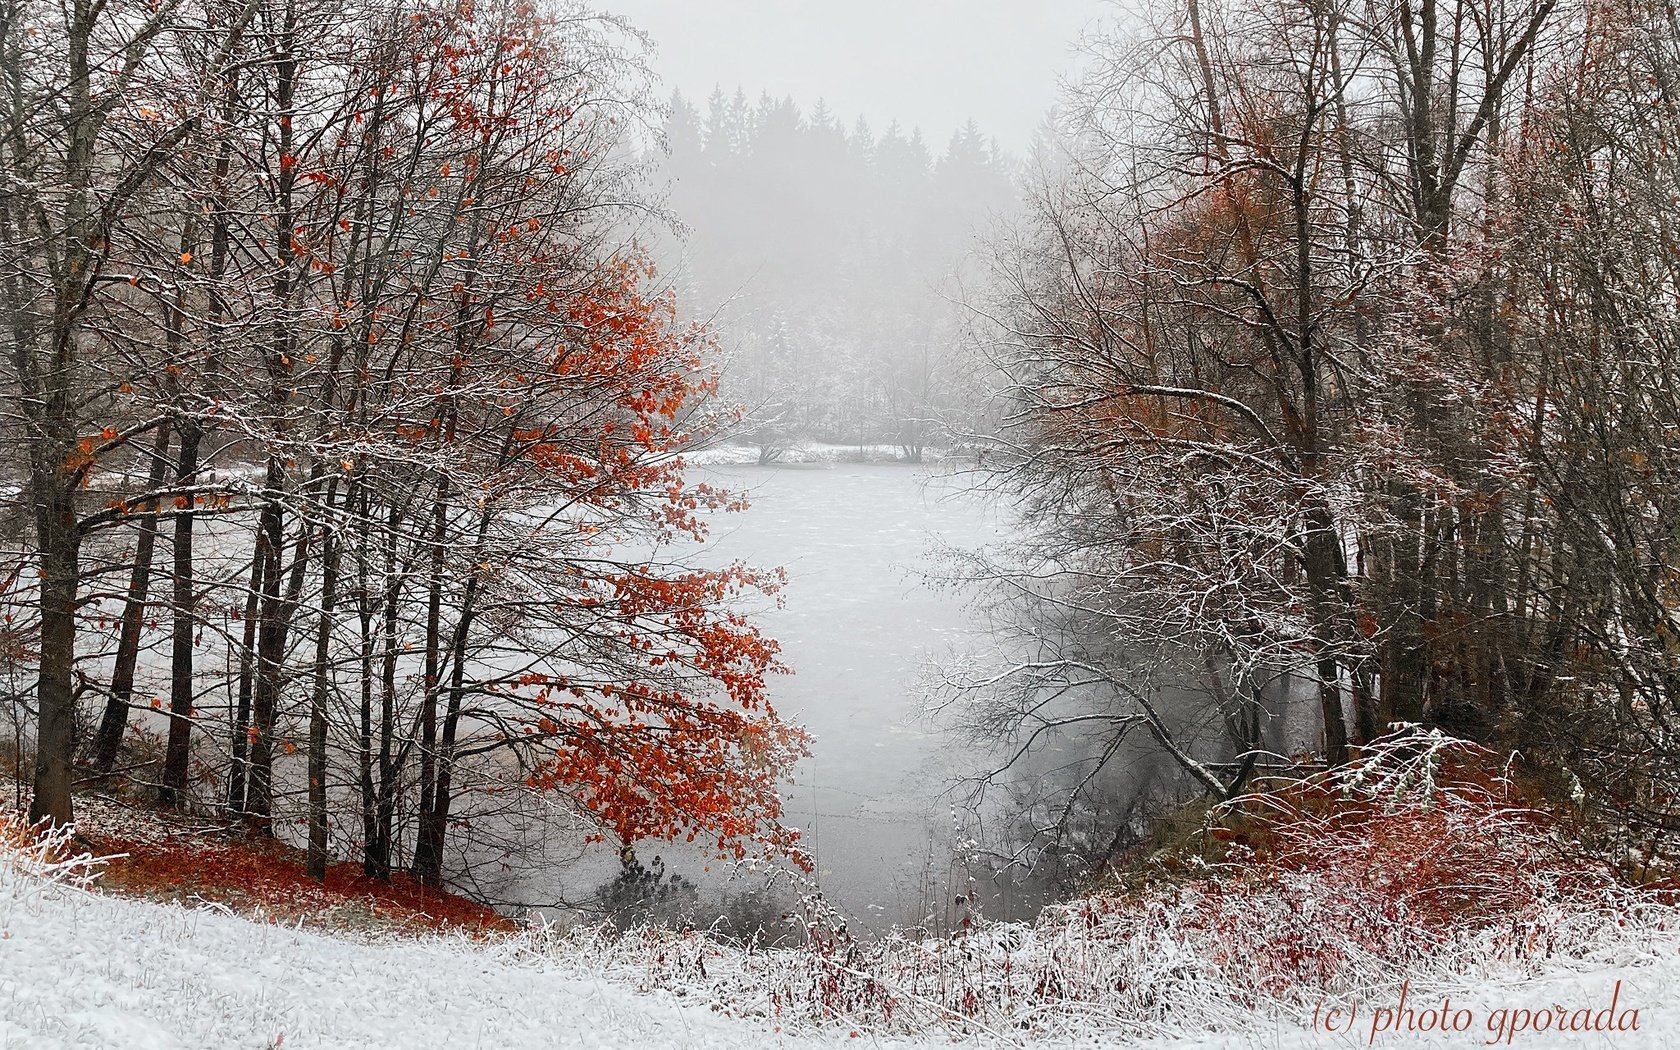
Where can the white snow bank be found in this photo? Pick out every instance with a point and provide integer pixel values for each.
(80, 969)
(806, 453)
(1500, 1011)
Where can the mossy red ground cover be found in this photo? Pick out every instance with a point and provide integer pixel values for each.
(266, 878)
(160, 854)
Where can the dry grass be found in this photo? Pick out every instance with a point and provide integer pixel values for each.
(1426, 861)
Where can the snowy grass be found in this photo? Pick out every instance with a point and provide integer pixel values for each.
(86, 970)
(1422, 866)
(1418, 870)
(33, 865)
(1110, 972)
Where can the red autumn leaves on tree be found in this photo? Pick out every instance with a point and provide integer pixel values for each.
(382, 337)
(679, 739)
(635, 686)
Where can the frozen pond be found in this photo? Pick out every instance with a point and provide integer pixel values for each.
(858, 626)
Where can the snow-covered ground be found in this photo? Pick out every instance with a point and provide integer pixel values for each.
(807, 452)
(81, 969)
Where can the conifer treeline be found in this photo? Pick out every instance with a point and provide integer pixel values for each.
(835, 255)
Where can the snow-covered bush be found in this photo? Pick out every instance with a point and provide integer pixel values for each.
(1420, 862)
(42, 855)
(34, 860)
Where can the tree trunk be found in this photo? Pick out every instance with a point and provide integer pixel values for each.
(434, 819)
(114, 723)
(243, 730)
(317, 857)
(364, 739)
(424, 852)
(182, 682)
(390, 760)
(60, 543)
(273, 630)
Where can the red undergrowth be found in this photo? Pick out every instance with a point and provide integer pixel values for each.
(1425, 842)
(266, 879)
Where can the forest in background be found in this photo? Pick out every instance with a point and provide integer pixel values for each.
(834, 261)
(1332, 348)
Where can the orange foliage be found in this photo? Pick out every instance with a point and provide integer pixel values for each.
(663, 755)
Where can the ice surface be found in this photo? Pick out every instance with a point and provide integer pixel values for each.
(858, 624)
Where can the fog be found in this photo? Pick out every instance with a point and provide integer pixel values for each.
(833, 185)
(831, 179)
(932, 64)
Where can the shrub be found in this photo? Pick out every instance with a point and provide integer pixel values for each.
(1422, 861)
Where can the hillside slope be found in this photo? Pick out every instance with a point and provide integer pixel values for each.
(82, 969)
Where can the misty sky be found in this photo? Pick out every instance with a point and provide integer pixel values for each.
(932, 63)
